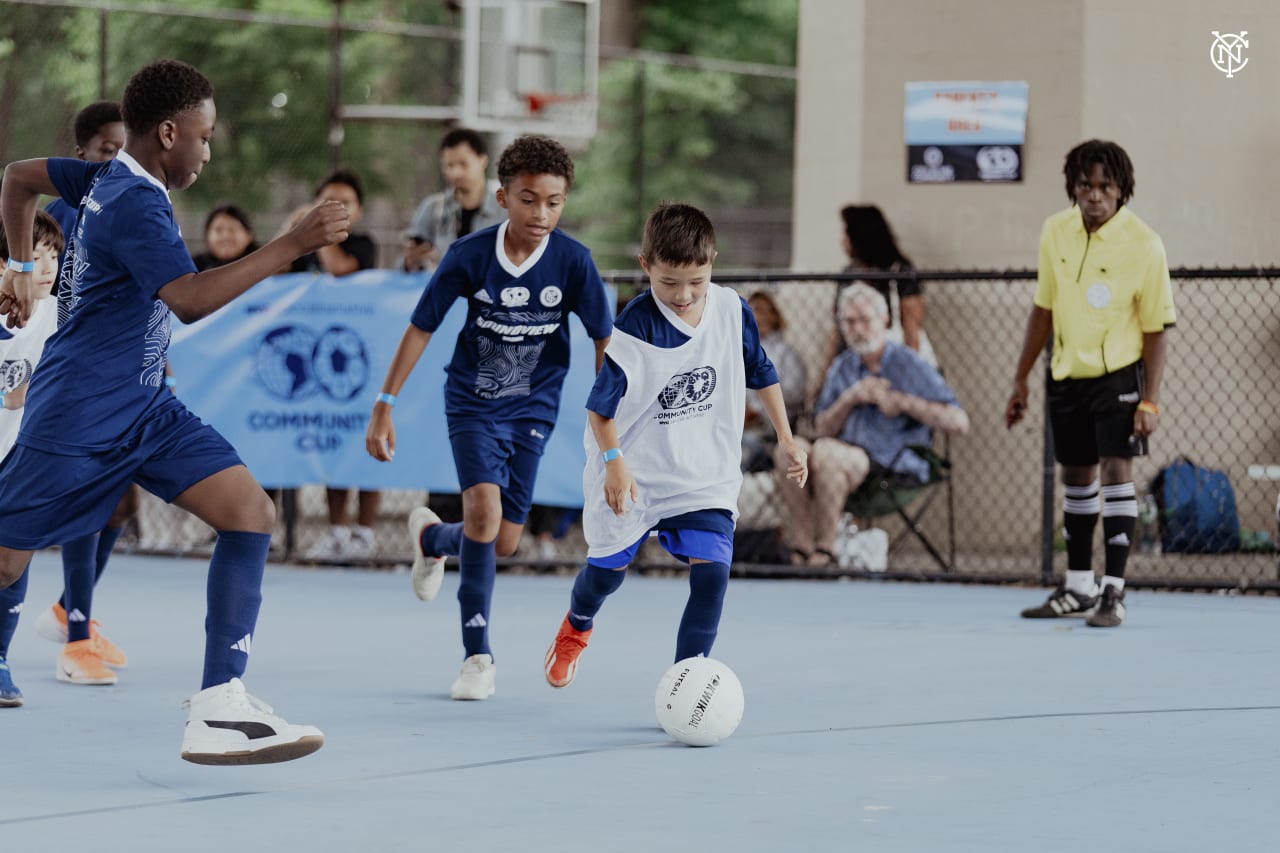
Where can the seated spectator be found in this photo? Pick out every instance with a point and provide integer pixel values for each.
(228, 236)
(878, 397)
(469, 204)
(870, 245)
(758, 437)
(357, 252)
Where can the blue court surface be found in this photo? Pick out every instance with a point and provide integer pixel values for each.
(879, 717)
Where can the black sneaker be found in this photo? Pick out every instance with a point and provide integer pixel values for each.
(1063, 602)
(1110, 612)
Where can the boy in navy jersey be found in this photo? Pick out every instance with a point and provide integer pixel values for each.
(520, 279)
(664, 432)
(99, 415)
(99, 133)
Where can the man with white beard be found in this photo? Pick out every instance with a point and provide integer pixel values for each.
(878, 398)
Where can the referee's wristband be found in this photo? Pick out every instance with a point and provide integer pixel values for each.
(20, 266)
(384, 397)
(1148, 407)
(611, 454)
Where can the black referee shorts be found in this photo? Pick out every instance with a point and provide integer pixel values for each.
(1093, 418)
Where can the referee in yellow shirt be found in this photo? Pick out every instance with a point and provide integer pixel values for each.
(1103, 292)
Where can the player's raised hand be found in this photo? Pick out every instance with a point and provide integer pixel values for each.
(16, 298)
(326, 224)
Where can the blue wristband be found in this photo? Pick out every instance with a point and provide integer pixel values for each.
(170, 381)
(384, 397)
(612, 453)
(20, 266)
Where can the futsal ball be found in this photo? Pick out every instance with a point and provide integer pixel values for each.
(699, 701)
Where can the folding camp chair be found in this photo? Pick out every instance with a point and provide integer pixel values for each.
(886, 493)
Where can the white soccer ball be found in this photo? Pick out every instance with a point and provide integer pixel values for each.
(699, 701)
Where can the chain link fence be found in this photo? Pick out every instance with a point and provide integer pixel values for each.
(1218, 410)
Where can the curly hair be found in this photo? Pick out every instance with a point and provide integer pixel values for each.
(535, 155)
(44, 230)
(678, 234)
(160, 91)
(1116, 165)
(93, 118)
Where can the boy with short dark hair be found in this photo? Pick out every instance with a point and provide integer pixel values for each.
(20, 352)
(521, 280)
(100, 415)
(665, 420)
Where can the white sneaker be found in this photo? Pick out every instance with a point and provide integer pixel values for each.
(226, 725)
(476, 679)
(334, 546)
(361, 545)
(428, 572)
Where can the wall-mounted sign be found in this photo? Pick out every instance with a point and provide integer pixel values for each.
(965, 131)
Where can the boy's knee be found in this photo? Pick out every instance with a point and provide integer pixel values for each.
(12, 565)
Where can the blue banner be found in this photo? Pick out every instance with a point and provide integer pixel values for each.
(965, 131)
(289, 372)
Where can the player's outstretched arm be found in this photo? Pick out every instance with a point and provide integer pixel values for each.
(24, 182)
(197, 295)
(380, 437)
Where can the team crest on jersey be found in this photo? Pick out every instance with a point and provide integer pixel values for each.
(688, 389)
(514, 297)
(551, 296)
(14, 373)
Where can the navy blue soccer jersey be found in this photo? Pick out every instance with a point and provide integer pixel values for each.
(643, 319)
(65, 214)
(103, 370)
(512, 354)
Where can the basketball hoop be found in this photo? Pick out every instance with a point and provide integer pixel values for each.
(538, 101)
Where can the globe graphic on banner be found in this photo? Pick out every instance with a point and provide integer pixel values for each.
(284, 362)
(341, 364)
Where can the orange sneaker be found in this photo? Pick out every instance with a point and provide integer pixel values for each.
(562, 657)
(80, 664)
(52, 625)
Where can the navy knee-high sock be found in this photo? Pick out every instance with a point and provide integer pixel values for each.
(234, 594)
(79, 570)
(11, 599)
(590, 588)
(698, 626)
(106, 541)
(442, 540)
(477, 571)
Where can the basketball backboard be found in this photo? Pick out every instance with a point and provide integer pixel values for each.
(530, 66)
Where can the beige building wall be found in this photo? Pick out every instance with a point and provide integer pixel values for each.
(1136, 71)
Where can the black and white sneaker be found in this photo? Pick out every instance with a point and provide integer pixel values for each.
(1063, 602)
(228, 726)
(1110, 612)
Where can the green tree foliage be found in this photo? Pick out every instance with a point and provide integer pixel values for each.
(711, 138)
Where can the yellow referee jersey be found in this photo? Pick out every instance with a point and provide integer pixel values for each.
(1105, 290)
